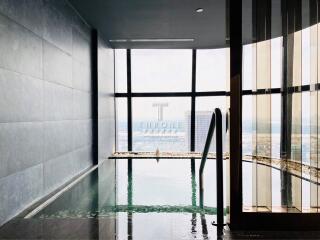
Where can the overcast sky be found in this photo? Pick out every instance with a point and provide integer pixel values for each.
(171, 71)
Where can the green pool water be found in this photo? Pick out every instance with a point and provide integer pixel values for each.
(162, 195)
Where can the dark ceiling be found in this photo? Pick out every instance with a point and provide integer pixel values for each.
(161, 19)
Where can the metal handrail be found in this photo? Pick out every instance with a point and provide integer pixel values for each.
(216, 122)
(205, 154)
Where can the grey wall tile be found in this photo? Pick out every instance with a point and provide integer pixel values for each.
(81, 105)
(81, 47)
(41, 145)
(57, 65)
(21, 97)
(82, 133)
(17, 44)
(81, 76)
(58, 138)
(83, 158)
(58, 24)
(46, 104)
(25, 12)
(21, 146)
(58, 102)
(21, 190)
(57, 171)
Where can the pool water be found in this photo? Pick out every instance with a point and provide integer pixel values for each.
(150, 199)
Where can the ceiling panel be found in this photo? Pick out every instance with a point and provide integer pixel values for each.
(161, 19)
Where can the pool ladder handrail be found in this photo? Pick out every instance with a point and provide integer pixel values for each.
(215, 124)
(205, 155)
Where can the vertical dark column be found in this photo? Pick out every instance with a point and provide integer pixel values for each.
(193, 101)
(219, 169)
(204, 226)
(314, 189)
(194, 196)
(285, 138)
(292, 22)
(129, 100)
(129, 108)
(95, 113)
(129, 143)
(192, 140)
(94, 96)
(192, 119)
(235, 111)
(193, 184)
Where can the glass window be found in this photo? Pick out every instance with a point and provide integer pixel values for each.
(161, 70)
(276, 62)
(121, 70)
(247, 125)
(275, 149)
(212, 69)
(275, 125)
(248, 66)
(122, 124)
(161, 123)
(205, 106)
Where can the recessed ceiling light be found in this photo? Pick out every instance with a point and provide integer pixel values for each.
(199, 10)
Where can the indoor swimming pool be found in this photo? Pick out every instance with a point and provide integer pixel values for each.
(150, 199)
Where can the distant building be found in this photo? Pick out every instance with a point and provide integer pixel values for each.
(202, 122)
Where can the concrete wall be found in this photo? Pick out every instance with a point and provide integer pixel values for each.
(45, 100)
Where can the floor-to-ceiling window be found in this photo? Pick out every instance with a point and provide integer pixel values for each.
(280, 107)
(164, 101)
(167, 96)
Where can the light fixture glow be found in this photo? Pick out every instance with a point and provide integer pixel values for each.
(199, 10)
(153, 40)
(118, 40)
